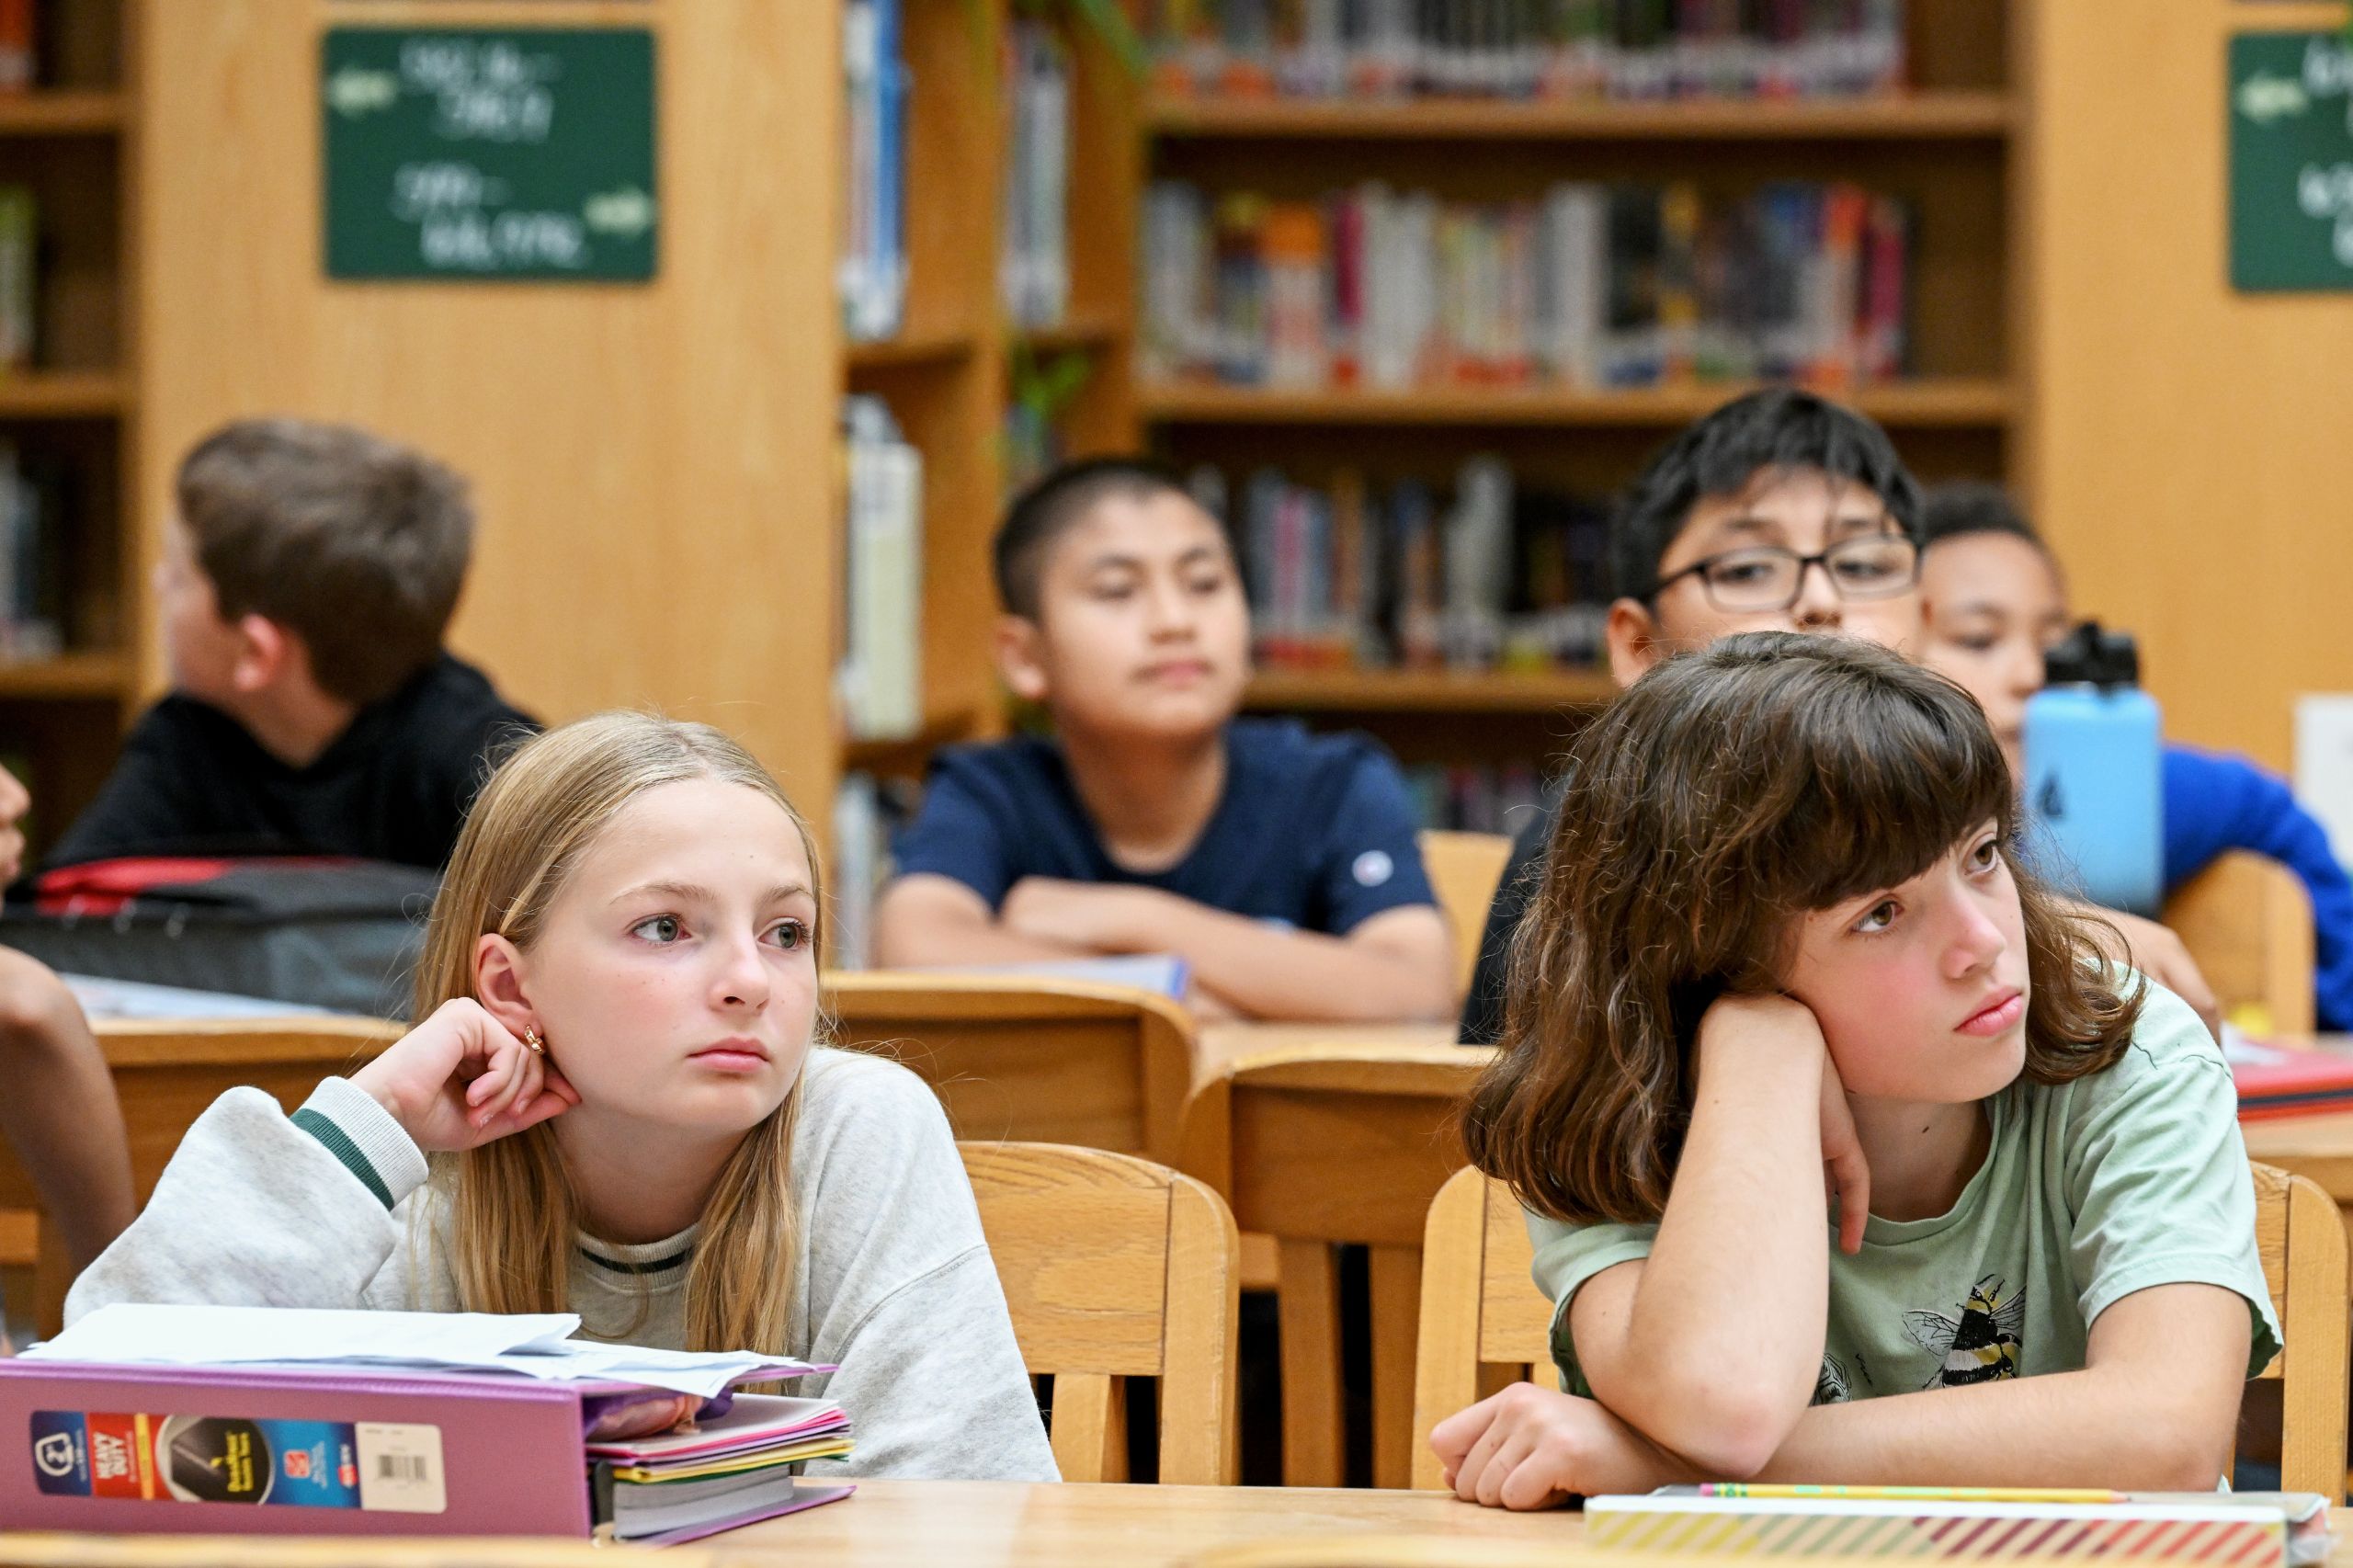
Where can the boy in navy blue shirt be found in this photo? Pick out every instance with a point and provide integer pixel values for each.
(1282, 866)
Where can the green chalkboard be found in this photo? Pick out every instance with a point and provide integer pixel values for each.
(2292, 161)
(475, 153)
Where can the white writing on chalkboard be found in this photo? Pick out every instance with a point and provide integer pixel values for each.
(481, 241)
(2328, 73)
(485, 92)
(2328, 193)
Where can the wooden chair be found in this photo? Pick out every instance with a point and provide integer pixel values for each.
(1485, 1324)
(165, 1073)
(1028, 1057)
(1117, 1267)
(2248, 923)
(1464, 869)
(1324, 1145)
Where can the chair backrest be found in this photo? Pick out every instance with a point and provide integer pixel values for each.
(1028, 1057)
(2248, 923)
(1485, 1324)
(1464, 869)
(1116, 1268)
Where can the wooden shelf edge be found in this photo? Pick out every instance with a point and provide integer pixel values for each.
(1935, 401)
(1066, 336)
(1428, 691)
(1947, 114)
(69, 676)
(61, 395)
(63, 110)
(918, 348)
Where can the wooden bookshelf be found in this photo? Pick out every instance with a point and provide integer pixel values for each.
(64, 111)
(1430, 691)
(71, 413)
(62, 394)
(1930, 116)
(1961, 401)
(1949, 147)
(101, 675)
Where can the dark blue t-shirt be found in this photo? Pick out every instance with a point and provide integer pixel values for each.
(1314, 831)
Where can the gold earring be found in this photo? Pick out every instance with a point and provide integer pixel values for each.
(531, 1039)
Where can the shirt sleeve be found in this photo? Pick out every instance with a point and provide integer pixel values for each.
(2156, 1175)
(1566, 1257)
(955, 834)
(902, 1294)
(259, 1209)
(144, 807)
(2216, 803)
(1372, 857)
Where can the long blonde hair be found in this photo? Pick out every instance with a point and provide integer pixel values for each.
(513, 1214)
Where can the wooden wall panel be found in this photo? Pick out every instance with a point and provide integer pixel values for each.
(2188, 447)
(652, 464)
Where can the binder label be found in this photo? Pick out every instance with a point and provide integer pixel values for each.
(228, 1459)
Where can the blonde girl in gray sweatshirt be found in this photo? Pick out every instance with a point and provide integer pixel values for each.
(615, 1106)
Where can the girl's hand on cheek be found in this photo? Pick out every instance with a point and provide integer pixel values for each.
(459, 1080)
(1785, 1030)
(1845, 1177)
(1531, 1448)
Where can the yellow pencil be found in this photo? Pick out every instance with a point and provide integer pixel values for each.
(1917, 1494)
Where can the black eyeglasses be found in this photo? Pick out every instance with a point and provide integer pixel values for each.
(1768, 577)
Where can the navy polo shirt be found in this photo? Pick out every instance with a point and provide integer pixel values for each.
(1315, 831)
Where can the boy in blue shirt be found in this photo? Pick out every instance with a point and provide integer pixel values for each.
(1282, 866)
(1995, 600)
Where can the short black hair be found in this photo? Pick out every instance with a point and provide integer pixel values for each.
(1719, 455)
(1972, 507)
(1042, 513)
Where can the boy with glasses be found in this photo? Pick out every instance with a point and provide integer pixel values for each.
(1780, 512)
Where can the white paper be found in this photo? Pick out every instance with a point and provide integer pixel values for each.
(102, 998)
(2325, 765)
(153, 1335)
(529, 1344)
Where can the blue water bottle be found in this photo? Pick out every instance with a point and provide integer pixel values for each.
(2094, 799)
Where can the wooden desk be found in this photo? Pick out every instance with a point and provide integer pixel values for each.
(900, 1524)
(1337, 1133)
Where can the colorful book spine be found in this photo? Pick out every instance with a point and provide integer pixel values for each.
(19, 236)
(871, 276)
(878, 681)
(17, 55)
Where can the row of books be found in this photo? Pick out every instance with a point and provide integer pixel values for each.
(1033, 258)
(19, 232)
(18, 56)
(868, 812)
(878, 684)
(1554, 49)
(1350, 574)
(32, 560)
(1469, 798)
(1588, 285)
(871, 272)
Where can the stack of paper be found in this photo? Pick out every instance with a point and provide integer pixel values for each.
(721, 1473)
(531, 1344)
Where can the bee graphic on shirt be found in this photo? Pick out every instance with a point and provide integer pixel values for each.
(1982, 1345)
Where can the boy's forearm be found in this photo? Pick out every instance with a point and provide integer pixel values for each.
(60, 1115)
(926, 938)
(1272, 972)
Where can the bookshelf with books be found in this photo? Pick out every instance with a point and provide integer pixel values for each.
(1381, 243)
(69, 563)
(1006, 349)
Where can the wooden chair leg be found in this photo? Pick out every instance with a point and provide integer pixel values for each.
(1396, 1280)
(1308, 1315)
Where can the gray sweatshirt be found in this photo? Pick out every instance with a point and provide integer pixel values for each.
(331, 1209)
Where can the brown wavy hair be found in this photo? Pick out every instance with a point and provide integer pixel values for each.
(1727, 792)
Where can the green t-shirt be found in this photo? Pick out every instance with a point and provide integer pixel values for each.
(2091, 1190)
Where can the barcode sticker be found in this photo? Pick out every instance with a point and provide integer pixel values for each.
(400, 1469)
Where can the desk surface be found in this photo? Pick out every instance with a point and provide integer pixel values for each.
(1223, 1045)
(906, 1524)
